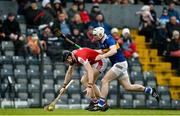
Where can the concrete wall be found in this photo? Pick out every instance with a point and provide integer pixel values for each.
(116, 15)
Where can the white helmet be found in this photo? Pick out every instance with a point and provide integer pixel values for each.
(98, 31)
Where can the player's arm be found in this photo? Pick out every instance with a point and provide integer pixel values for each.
(111, 52)
(90, 73)
(99, 51)
(68, 75)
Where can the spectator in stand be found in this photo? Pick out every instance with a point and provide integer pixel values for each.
(172, 11)
(92, 43)
(152, 11)
(34, 45)
(2, 34)
(33, 15)
(21, 6)
(54, 46)
(172, 25)
(77, 22)
(58, 7)
(62, 24)
(116, 36)
(164, 18)
(50, 14)
(128, 46)
(72, 11)
(100, 22)
(97, 1)
(95, 10)
(11, 27)
(84, 14)
(146, 26)
(78, 37)
(173, 49)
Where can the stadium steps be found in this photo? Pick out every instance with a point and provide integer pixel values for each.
(150, 61)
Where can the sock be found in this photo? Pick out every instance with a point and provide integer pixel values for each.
(94, 100)
(148, 90)
(101, 102)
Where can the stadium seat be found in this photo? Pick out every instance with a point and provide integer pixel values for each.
(33, 102)
(22, 95)
(57, 87)
(138, 103)
(6, 60)
(136, 76)
(31, 73)
(7, 45)
(20, 66)
(49, 81)
(7, 66)
(127, 96)
(32, 60)
(49, 96)
(112, 103)
(75, 101)
(163, 90)
(47, 73)
(33, 67)
(47, 88)
(140, 96)
(164, 104)
(18, 60)
(6, 72)
(21, 87)
(175, 104)
(84, 103)
(165, 97)
(20, 73)
(151, 103)
(113, 87)
(33, 88)
(75, 87)
(149, 76)
(59, 73)
(141, 82)
(151, 84)
(124, 103)
(63, 102)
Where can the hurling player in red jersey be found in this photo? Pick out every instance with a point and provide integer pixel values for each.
(85, 57)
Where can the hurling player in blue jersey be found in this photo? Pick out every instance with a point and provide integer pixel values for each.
(109, 48)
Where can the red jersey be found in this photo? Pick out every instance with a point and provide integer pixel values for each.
(84, 55)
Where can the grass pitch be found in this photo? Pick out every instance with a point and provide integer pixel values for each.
(121, 112)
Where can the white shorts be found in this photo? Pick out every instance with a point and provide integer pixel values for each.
(101, 66)
(120, 69)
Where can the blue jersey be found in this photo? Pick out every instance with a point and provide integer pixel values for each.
(105, 46)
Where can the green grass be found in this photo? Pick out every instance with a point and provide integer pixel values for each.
(34, 111)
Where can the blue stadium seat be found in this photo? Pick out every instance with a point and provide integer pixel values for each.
(32, 60)
(127, 96)
(140, 96)
(149, 76)
(75, 101)
(7, 66)
(33, 102)
(47, 88)
(6, 60)
(33, 67)
(33, 88)
(20, 66)
(49, 96)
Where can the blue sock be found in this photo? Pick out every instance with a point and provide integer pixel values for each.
(101, 102)
(148, 90)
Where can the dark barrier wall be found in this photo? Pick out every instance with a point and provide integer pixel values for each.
(116, 15)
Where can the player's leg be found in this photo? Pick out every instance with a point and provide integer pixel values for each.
(94, 98)
(125, 82)
(84, 81)
(102, 105)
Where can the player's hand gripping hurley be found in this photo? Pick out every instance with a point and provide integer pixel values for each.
(51, 106)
